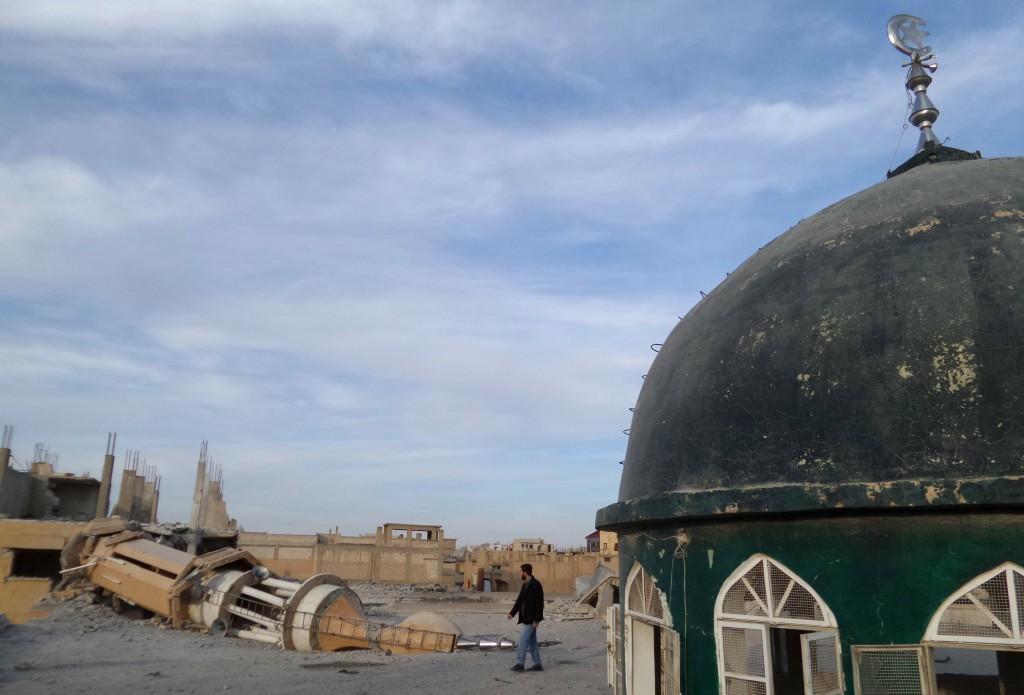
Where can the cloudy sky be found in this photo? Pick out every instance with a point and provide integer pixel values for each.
(404, 261)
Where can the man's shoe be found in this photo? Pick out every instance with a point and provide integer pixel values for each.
(536, 667)
(518, 667)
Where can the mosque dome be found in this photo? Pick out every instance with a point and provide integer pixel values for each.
(879, 341)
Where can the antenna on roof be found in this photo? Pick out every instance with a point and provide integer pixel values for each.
(906, 35)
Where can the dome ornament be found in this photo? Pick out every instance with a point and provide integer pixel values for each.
(906, 35)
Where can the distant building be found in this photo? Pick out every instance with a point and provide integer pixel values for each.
(604, 543)
(531, 545)
(396, 554)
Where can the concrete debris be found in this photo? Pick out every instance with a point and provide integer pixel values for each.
(568, 609)
(228, 593)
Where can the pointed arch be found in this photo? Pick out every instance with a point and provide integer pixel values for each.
(759, 609)
(986, 610)
(644, 598)
(763, 590)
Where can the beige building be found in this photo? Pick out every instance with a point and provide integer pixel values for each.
(484, 567)
(532, 545)
(395, 554)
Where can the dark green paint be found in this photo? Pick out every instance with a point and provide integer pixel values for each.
(883, 575)
(986, 492)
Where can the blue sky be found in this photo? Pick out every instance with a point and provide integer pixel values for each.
(403, 261)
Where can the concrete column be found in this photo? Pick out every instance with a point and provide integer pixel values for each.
(5, 460)
(103, 501)
(197, 501)
(124, 496)
(106, 479)
(138, 488)
(156, 503)
(5, 451)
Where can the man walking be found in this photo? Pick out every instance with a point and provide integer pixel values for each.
(530, 607)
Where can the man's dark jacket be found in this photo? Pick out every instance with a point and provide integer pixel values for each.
(530, 603)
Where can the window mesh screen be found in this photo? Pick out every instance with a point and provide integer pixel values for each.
(743, 651)
(636, 601)
(983, 611)
(654, 608)
(754, 581)
(994, 598)
(644, 596)
(1018, 581)
(734, 686)
(801, 604)
(889, 672)
(789, 597)
(824, 665)
(739, 601)
(791, 600)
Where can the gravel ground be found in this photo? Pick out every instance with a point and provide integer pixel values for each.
(84, 648)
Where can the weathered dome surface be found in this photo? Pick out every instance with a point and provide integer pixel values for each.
(880, 340)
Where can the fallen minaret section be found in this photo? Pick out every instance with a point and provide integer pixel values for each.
(229, 593)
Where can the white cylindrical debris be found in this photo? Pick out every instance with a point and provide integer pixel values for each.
(263, 596)
(282, 584)
(257, 634)
(217, 592)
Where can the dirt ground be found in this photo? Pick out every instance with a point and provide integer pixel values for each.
(85, 648)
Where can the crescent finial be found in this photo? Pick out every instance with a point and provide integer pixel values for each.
(906, 35)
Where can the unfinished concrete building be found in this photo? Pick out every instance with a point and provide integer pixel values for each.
(140, 491)
(40, 510)
(395, 554)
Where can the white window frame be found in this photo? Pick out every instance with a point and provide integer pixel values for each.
(807, 640)
(826, 628)
(1014, 576)
(921, 652)
(614, 649)
(649, 592)
(766, 656)
(771, 618)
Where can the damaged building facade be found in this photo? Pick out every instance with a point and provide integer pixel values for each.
(42, 509)
(824, 481)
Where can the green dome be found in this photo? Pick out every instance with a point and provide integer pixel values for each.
(880, 340)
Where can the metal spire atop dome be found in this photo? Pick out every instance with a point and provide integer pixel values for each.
(906, 35)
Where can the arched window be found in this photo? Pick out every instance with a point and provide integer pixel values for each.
(986, 610)
(643, 597)
(774, 632)
(764, 590)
